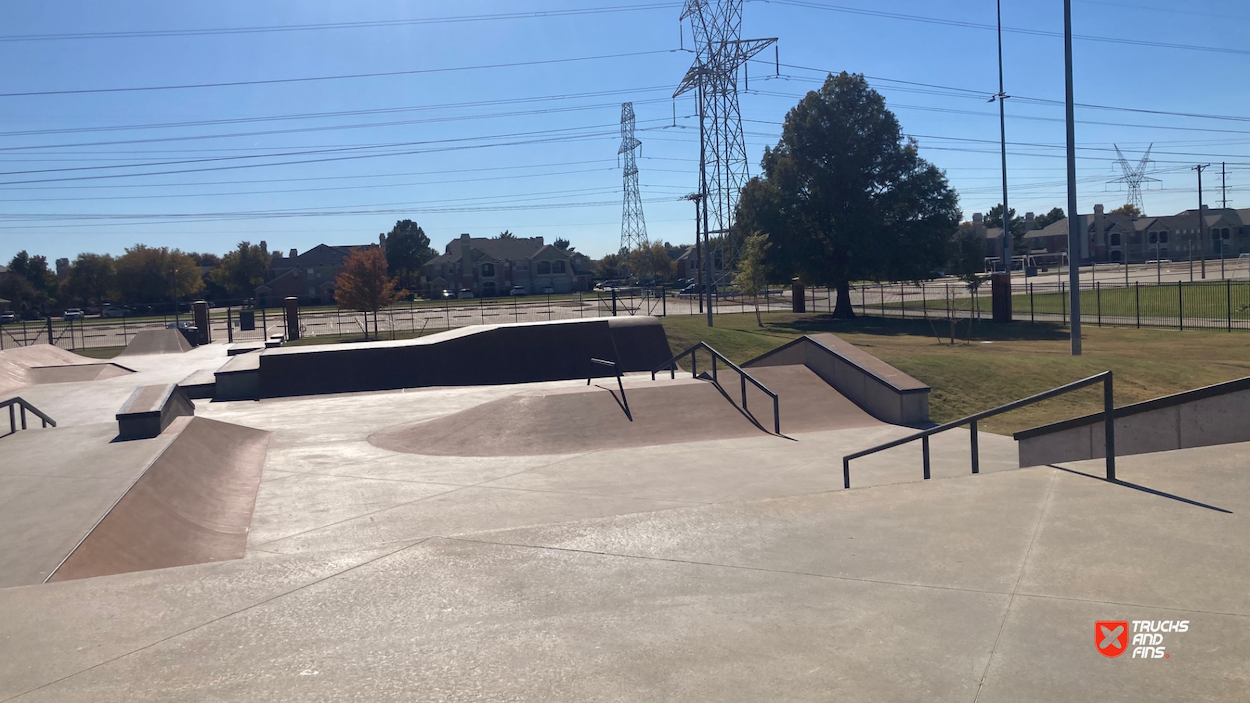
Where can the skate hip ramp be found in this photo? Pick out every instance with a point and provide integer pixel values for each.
(470, 356)
(44, 363)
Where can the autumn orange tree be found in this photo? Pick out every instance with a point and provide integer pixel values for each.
(364, 286)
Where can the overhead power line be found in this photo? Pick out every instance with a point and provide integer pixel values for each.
(349, 76)
(1015, 30)
(492, 17)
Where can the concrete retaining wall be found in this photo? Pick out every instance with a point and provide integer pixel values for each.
(880, 389)
(1198, 418)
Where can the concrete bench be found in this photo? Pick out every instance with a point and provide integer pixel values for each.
(150, 409)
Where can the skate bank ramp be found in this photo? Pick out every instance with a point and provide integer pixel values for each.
(157, 342)
(44, 363)
(592, 418)
(471, 356)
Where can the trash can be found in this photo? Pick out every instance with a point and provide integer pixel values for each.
(247, 320)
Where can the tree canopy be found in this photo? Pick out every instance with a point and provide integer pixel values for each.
(243, 269)
(92, 279)
(364, 284)
(563, 245)
(156, 275)
(652, 261)
(845, 197)
(1128, 209)
(1050, 218)
(752, 274)
(506, 234)
(407, 249)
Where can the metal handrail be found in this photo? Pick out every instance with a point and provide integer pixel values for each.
(671, 365)
(21, 404)
(619, 383)
(1108, 401)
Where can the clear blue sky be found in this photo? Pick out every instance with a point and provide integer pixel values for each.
(532, 148)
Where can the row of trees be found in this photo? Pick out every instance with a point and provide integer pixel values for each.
(142, 275)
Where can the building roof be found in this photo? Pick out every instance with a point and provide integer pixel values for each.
(494, 249)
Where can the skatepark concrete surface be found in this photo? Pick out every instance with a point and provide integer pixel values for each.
(727, 566)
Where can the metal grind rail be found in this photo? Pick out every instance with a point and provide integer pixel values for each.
(619, 384)
(1108, 400)
(671, 366)
(16, 404)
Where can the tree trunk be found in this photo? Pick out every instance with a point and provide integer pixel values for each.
(843, 309)
(758, 321)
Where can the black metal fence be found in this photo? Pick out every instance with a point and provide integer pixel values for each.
(1219, 304)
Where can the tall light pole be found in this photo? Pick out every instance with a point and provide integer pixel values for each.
(1074, 228)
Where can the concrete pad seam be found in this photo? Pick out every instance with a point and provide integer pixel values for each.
(1024, 565)
(216, 619)
(741, 567)
(684, 504)
(1045, 596)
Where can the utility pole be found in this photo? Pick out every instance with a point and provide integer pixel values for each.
(1202, 237)
(1074, 229)
(1001, 97)
(1223, 186)
(698, 246)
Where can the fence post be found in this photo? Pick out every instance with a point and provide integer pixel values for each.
(924, 302)
(1032, 313)
(1228, 300)
(881, 287)
(50, 340)
(1137, 295)
(902, 298)
(1108, 421)
(1098, 300)
(229, 324)
(1063, 303)
(663, 301)
(613, 302)
(264, 321)
(1180, 305)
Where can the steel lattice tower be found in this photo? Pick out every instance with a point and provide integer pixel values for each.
(1134, 176)
(633, 225)
(720, 53)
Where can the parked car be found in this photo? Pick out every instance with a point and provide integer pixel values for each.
(72, 314)
(548, 290)
(517, 291)
(181, 325)
(7, 317)
(604, 285)
(114, 311)
(465, 294)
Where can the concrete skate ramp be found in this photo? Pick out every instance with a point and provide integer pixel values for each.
(157, 342)
(74, 373)
(479, 355)
(567, 421)
(16, 364)
(192, 505)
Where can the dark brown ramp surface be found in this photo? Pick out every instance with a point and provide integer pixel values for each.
(471, 356)
(193, 505)
(574, 420)
(157, 342)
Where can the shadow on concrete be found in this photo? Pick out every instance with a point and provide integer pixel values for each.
(1144, 489)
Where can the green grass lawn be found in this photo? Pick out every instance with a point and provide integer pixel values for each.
(1001, 363)
(1211, 300)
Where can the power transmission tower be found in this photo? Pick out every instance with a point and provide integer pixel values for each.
(720, 54)
(633, 225)
(1134, 176)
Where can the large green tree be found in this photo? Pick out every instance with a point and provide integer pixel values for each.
(407, 249)
(844, 197)
(243, 269)
(38, 285)
(156, 275)
(1043, 221)
(92, 279)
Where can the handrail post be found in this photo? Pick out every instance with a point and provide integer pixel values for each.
(924, 449)
(714, 377)
(846, 473)
(23, 416)
(1108, 421)
(12, 420)
(776, 415)
(743, 378)
(976, 450)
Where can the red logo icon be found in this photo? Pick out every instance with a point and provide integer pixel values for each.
(1111, 637)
